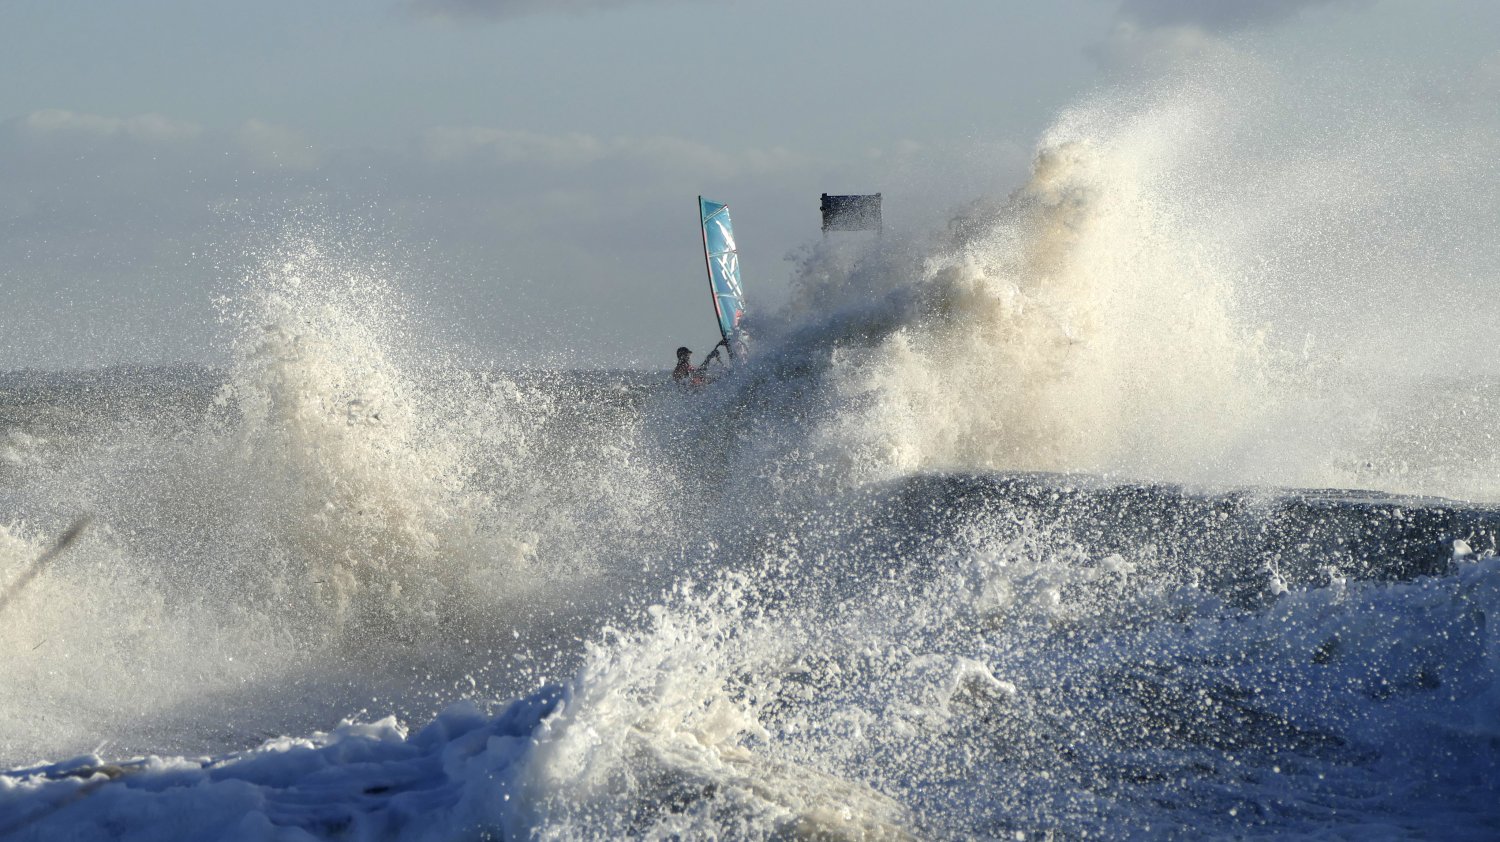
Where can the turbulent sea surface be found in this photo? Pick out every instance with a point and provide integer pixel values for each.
(1021, 533)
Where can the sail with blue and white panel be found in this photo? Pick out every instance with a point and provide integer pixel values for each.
(723, 269)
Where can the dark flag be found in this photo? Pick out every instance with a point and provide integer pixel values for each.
(851, 213)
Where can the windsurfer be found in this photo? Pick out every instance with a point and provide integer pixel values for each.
(686, 371)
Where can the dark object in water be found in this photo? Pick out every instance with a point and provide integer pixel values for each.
(63, 542)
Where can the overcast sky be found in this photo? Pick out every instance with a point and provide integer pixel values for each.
(529, 167)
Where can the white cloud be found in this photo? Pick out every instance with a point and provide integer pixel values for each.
(458, 144)
(470, 145)
(1131, 46)
(498, 9)
(1153, 35)
(146, 128)
(1218, 15)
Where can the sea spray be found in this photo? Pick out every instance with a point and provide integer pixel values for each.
(342, 495)
(1078, 326)
(1015, 676)
(356, 469)
(1186, 287)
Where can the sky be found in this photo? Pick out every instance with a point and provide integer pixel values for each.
(528, 169)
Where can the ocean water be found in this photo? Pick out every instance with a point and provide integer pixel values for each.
(1037, 527)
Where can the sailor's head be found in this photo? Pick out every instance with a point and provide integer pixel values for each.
(683, 353)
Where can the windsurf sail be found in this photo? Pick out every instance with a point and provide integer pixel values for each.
(723, 269)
